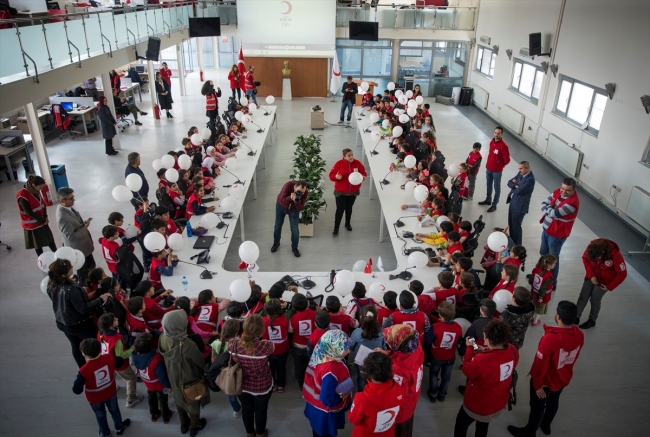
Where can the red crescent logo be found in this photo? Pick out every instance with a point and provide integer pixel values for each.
(103, 374)
(205, 311)
(288, 10)
(335, 73)
(275, 330)
(391, 415)
(304, 325)
(447, 335)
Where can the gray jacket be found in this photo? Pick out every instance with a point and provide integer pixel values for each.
(73, 231)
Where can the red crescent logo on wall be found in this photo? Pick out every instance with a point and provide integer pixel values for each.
(288, 11)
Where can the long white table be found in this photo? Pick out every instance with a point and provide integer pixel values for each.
(391, 197)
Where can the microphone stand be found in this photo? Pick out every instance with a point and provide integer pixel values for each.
(260, 130)
(251, 153)
(374, 151)
(237, 181)
(266, 111)
(206, 274)
(385, 181)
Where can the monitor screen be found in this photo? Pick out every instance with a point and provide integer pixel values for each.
(364, 31)
(139, 68)
(67, 106)
(205, 27)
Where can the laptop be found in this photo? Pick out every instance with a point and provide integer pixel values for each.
(67, 106)
(204, 242)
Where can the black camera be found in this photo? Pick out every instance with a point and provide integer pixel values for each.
(298, 195)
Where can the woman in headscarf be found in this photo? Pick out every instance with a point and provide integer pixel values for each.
(184, 362)
(164, 94)
(33, 216)
(107, 123)
(408, 369)
(327, 399)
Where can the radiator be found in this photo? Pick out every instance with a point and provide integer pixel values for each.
(480, 97)
(568, 158)
(512, 118)
(638, 207)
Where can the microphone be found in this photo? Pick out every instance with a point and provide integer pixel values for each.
(405, 274)
(260, 130)
(367, 130)
(237, 181)
(385, 181)
(374, 151)
(251, 153)
(266, 111)
(205, 274)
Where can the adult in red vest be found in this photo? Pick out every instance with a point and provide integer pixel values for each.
(552, 370)
(235, 84)
(560, 212)
(211, 102)
(344, 192)
(498, 158)
(605, 270)
(33, 216)
(251, 87)
(489, 373)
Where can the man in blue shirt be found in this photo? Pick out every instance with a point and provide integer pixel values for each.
(521, 189)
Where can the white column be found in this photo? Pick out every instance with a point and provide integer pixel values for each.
(394, 67)
(38, 142)
(152, 87)
(215, 52)
(181, 68)
(199, 52)
(108, 93)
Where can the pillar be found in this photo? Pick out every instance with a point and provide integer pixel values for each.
(181, 68)
(199, 52)
(215, 52)
(108, 93)
(38, 140)
(152, 87)
(394, 65)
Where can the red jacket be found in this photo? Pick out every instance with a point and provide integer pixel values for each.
(445, 339)
(100, 378)
(171, 227)
(458, 247)
(557, 352)
(345, 168)
(301, 325)
(234, 80)
(489, 376)
(498, 156)
(374, 410)
(166, 75)
(408, 370)
(108, 250)
(609, 272)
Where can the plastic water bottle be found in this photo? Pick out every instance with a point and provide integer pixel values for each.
(186, 285)
(188, 225)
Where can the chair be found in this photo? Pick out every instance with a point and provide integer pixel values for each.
(123, 121)
(63, 121)
(53, 6)
(53, 12)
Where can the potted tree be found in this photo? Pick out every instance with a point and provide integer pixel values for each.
(309, 166)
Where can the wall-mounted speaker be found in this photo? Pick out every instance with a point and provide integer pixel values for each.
(535, 44)
(153, 49)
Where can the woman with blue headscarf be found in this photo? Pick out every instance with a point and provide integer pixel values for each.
(328, 386)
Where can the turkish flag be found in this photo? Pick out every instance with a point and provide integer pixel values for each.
(243, 265)
(368, 268)
(241, 65)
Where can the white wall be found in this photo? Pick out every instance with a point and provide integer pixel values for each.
(599, 42)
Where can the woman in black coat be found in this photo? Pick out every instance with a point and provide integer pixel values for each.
(164, 96)
(107, 123)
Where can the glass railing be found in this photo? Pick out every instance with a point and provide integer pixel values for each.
(409, 17)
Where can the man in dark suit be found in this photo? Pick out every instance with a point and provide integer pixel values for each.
(521, 189)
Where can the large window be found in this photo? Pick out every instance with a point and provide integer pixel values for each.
(437, 66)
(581, 104)
(527, 80)
(485, 61)
(366, 60)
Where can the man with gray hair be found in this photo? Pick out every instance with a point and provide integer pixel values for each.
(74, 230)
(521, 189)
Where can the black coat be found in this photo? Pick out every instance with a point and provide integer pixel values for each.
(165, 102)
(71, 305)
(107, 122)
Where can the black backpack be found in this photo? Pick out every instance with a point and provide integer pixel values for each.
(128, 267)
(454, 203)
(421, 151)
(147, 219)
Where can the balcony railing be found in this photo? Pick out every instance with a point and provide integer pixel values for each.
(409, 17)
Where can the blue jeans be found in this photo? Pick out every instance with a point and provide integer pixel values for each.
(442, 368)
(251, 96)
(553, 246)
(493, 178)
(293, 225)
(100, 415)
(346, 104)
(234, 403)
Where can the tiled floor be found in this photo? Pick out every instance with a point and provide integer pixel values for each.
(610, 392)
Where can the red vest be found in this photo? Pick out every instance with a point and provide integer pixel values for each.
(450, 295)
(190, 209)
(210, 102)
(463, 185)
(37, 206)
(149, 376)
(471, 160)
(408, 370)
(415, 321)
(382, 313)
(108, 346)
(100, 379)
(136, 325)
(302, 325)
(314, 379)
(137, 216)
(108, 250)
(446, 337)
(154, 276)
(561, 227)
(538, 280)
(510, 286)
(278, 333)
(208, 317)
(315, 336)
(342, 322)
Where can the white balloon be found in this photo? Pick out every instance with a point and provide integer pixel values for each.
(377, 287)
(228, 204)
(80, 259)
(66, 252)
(365, 86)
(168, 160)
(175, 241)
(384, 124)
(397, 112)
(249, 252)
(355, 178)
(411, 112)
(409, 94)
(205, 133)
(196, 139)
(410, 186)
(453, 170)
(240, 290)
(270, 100)
(171, 175)
(402, 100)
(376, 135)
(243, 101)
(246, 119)
(154, 241)
(502, 298)
(420, 193)
(239, 115)
(157, 164)
(344, 282)
(497, 241)
(133, 182)
(231, 163)
(418, 260)
(209, 220)
(399, 93)
(130, 231)
(122, 193)
(359, 266)
(238, 191)
(410, 161)
(398, 131)
(374, 117)
(44, 284)
(464, 324)
(390, 86)
(442, 219)
(241, 153)
(419, 100)
(45, 259)
(403, 118)
(252, 107)
(412, 104)
(184, 162)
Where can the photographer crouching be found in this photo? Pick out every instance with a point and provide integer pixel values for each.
(291, 201)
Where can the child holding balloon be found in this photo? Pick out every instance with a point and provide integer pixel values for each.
(542, 284)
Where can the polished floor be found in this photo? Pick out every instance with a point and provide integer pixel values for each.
(610, 392)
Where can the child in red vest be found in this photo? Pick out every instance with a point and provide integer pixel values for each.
(139, 213)
(162, 212)
(390, 306)
(338, 319)
(276, 330)
(97, 376)
(473, 162)
(426, 304)
(358, 301)
(134, 320)
(542, 285)
(112, 344)
(206, 311)
(446, 291)
(462, 181)
(509, 276)
(117, 219)
(235, 311)
(152, 370)
(109, 247)
(322, 322)
(162, 264)
(447, 335)
(301, 325)
(153, 312)
(162, 181)
(465, 230)
(409, 314)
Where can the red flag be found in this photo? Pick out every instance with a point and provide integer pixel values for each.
(368, 268)
(243, 265)
(241, 65)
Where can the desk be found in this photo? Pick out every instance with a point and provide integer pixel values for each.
(126, 90)
(8, 152)
(83, 114)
